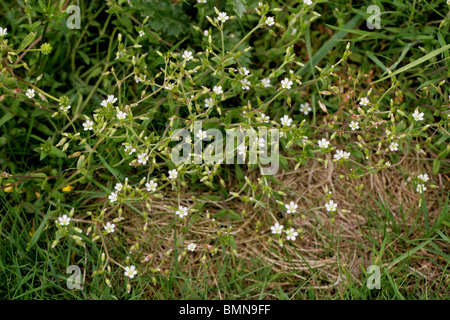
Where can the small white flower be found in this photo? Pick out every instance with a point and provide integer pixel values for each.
(387, 164)
(130, 272)
(218, 89)
(209, 102)
(420, 188)
(173, 174)
(364, 101)
(244, 71)
(64, 108)
(142, 158)
(30, 93)
(191, 246)
(182, 212)
(111, 99)
(169, 86)
(324, 143)
(202, 135)
(151, 185)
(113, 197)
(277, 228)
(291, 207)
(141, 78)
(187, 55)
(418, 116)
(286, 121)
(121, 115)
(331, 206)
(270, 21)
(393, 146)
(265, 83)
(64, 220)
(448, 2)
(307, 2)
(286, 83)
(354, 125)
(141, 33)
(341, 154)
(245, 84)
(129, 149)
(223, 16)
(424, 177)
(3, 32)
(201, 1)
(88, 125)
(305, 108)
(264, 118)
(109, 227)
(206, 33)
(242, 150)
(118, 186)
(291, 234)
(261, 142)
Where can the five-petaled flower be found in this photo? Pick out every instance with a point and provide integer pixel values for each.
(354, 125)
(291, 207)
(142, 158)
(182, 212)
(209, 102)
(393, 146)
(277, 228)
(109, 227)
(265, 83)
(218, 89)
(286, 121)
(151, 185)
(305, 108)
(88, 125)
(223, 17)
(130, 271)
(424, 177)
(286, 83)
(121, 115)
(141, 33)
(323, 143)
(418, 116)
(245, 84)
(420, 188)
(173, 174)
(291, 234)
(341, 154)
(187, 55)
(191, 246)
(30, 93)
(270, 21)
(112, 197)
(202, 135)
(3, 32)
(364, 101)
(64, 220)
(331, 206)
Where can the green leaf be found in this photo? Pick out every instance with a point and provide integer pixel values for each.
(27, 41)
(436, 166)
(239, 6)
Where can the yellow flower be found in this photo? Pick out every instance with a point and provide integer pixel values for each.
(67, 188)
(8, 188)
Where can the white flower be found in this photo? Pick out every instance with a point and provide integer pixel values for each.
(245, 84)
(121, 115)
(331, 206)
(418, 116)
(393, 146)
(291, 234)
(244, 71)
(173, 174)
(129, 149)
(30, 93)
(423, 177)
(187, 55)
(218, 89)
(387, 164)
(286, 83)
(64, 108)
(286, 121)
(448, 2)
(64, 220)
(182, 212)
(151, 185)
(265, 83)
(111, 99)
(277, 228)
(223, 16)
(354, 125)
(202, 135)
(341, 154)
(305, 108)
(420, 188)
(364, 101)
(3, 32)
(270, 21)
(142, 158)
(324, 143)
(308, 2)
(264, 118)
(209, 102)
(169, 86)
(206, 33)
(141, 33)
(261, 142)
(118, 186)
(242, 149)
(130, 272)
(291, 207)
(141, 78)
(201, 1)
(109, 227)
(191, 246)
(113, 197)
(88, 125)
